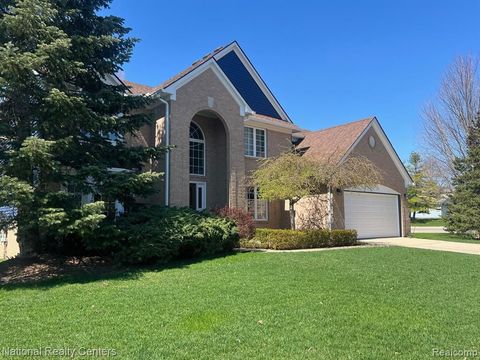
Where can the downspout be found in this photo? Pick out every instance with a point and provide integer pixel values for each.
(330, 214)
(167, 143)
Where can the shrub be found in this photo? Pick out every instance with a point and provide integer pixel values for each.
(343, 237)
(243, 219)
(159, 234)
(299, 239)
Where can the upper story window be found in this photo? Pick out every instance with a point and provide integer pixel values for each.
(255, 142)
(197, 150)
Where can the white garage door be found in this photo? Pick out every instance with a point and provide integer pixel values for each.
(371, 214)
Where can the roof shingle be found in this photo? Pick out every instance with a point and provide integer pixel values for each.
(139, 89)
(330, 145)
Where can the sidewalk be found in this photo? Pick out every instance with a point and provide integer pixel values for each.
(463, 248)
(428, 229)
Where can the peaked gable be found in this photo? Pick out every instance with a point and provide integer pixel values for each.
(335, 144)
(246, 85)
(332, 144)
(236, 71)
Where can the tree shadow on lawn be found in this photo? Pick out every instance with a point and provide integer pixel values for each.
(45, 272)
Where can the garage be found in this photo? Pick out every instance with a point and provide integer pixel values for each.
(373, 215)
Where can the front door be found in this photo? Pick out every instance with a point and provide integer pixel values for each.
(198, 196)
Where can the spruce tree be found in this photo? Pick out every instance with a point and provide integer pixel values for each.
(423, 194)
(464, 209)
(63, 124)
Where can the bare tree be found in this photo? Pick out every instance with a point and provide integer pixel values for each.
(448, 117)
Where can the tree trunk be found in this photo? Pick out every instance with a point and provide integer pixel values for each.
(292, 214)
(414, 215)
(25, 244)
(26, 236)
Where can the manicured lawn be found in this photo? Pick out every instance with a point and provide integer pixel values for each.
(445, 237)
(364, 303)
(428, 222)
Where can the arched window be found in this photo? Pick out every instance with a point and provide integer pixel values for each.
(197, 150)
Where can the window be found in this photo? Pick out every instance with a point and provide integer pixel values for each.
(3, 236)
(257, 207)
(197, 150)
(198, 196)
(255, 142)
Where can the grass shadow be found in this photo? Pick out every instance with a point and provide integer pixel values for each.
(43, 273)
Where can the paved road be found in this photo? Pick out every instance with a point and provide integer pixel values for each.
(427, 244)
(428, 229)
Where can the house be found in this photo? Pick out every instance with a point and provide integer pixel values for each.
(222, 119)
(441, 211)
(8, 239)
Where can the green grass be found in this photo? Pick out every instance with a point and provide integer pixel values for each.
(364, 303)
(446, 237)
(428, 222)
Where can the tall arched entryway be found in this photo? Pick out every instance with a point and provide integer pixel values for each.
(208, 161)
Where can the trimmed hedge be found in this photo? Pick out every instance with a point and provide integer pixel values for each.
(299, 239)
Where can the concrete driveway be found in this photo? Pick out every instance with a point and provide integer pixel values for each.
(457, 247)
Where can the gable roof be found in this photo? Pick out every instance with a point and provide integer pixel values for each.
(139, 89)
(242, 75)
(189, 69)
(336, 143)
(239, 73)
(333, 143)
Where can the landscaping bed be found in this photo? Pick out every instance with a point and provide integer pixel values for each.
(276, 239)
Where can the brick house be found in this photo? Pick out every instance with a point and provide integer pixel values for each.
(222, 118)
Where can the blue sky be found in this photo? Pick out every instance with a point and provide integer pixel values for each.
(327, 62)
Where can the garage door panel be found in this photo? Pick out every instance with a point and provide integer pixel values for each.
(371, 214)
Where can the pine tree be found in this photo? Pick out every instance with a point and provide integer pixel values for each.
(423, 194)
(62, 124)
(464, 209)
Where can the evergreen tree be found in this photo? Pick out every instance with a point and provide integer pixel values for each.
(63, 124)
(423, 194)
(464, 209)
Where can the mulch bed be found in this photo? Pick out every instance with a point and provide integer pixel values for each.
(45, 267)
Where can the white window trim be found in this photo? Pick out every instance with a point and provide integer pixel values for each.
(255, 129)
(3, 236)
(255, 204)
(203, 185)
(204, 150)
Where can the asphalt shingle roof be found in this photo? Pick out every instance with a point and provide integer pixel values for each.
(330, 145)
(139, 89)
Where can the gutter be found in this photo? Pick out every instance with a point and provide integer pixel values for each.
(157, 95)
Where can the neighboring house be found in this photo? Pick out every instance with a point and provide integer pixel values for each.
(8, 237)
(439, 212)
(222, 119)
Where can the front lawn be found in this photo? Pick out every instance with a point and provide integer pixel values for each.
(428, 222)
(445, 237)
(364, 303)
